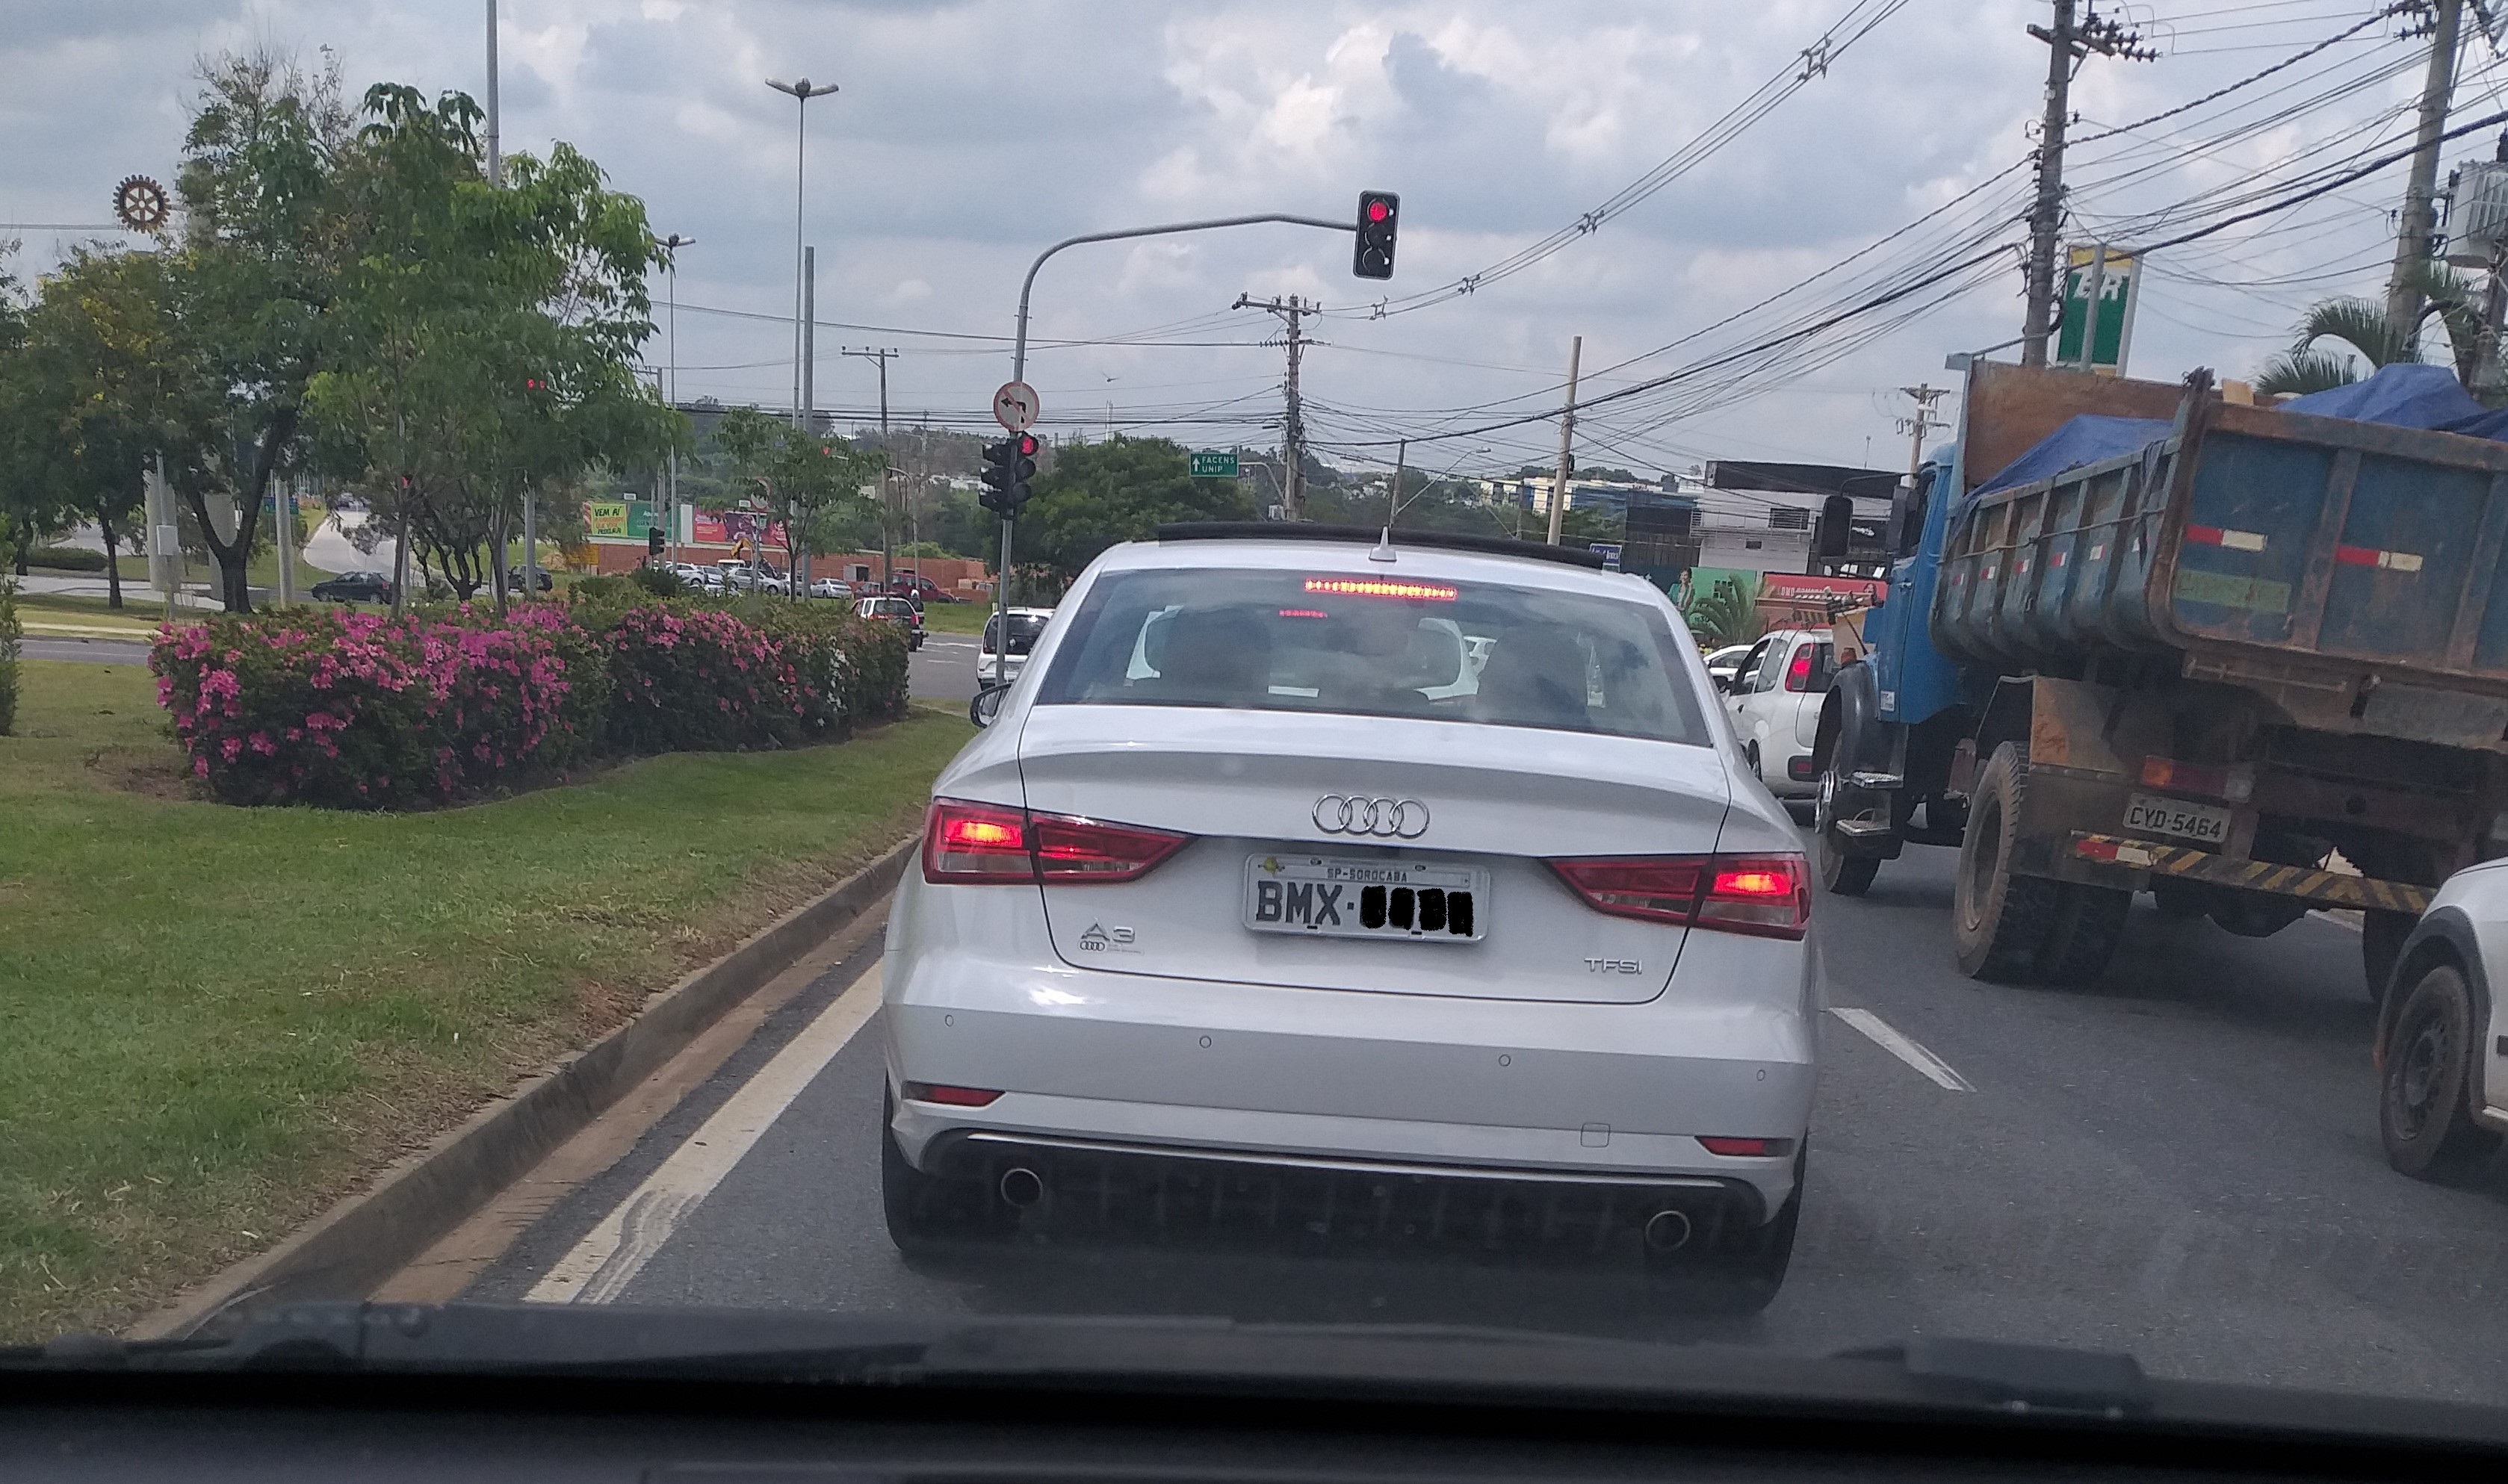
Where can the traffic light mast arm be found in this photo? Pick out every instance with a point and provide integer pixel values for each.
(1019, 352)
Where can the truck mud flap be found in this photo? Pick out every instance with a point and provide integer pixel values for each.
(2147, 860)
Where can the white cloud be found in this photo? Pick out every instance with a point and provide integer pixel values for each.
(968, 136)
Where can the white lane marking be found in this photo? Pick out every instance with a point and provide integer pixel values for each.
(2323, 916)
(1888, 1037)
(610, 1256)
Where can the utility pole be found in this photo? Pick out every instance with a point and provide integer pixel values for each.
(1922, 420)
(2068, 41)
(1293, 429)
(2420, 217)
(495, 147)
(1393, 506)
(809, 413)
(1567, 441)
(887, 485)
(671, 246)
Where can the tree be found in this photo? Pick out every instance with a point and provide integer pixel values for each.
(812, 483)
(1726, 614)
(1097, 494)
(2453, 299)
(30, 505)
(485, 336)
(87, 383)
(248, 293)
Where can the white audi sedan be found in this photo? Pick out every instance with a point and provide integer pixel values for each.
(1314, 883)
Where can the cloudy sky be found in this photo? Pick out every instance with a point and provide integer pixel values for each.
(966, 136)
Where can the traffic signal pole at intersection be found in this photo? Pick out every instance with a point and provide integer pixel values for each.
(1374, 228)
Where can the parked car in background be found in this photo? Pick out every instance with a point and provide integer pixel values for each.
(1025, 624)
(1725, 663)
(895, 610)
(1774, 703)
(514, 580)
(355, 588)
(830, 587)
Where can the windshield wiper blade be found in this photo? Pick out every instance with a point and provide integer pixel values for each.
(2019, 1377)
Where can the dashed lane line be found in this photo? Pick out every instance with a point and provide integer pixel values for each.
(602, 1265)
(1890, 1039)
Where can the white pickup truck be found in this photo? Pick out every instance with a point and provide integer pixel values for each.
(1775, 701)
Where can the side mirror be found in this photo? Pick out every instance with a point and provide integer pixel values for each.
(987, 705)
(1835, 529)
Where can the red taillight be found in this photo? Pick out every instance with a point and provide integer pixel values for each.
(1798, 674)
(1658, 888)
(1735, 1147)
(988, 845)
(954, 1097)
(1070, 849)
(975, 844)
(1763, 895)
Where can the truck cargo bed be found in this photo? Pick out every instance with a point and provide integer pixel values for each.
(2346, 568)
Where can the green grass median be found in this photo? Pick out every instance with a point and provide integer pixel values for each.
(218, 1019)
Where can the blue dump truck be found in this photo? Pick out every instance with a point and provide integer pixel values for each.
(2138, 637)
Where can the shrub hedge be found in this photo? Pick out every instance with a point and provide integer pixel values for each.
(367, 711)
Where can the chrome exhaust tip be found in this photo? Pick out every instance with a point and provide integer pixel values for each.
(1666, 1231)
(1022, 1186)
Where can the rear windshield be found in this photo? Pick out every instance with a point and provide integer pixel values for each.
(892, 607)
(1024, 627)
(1371, 645)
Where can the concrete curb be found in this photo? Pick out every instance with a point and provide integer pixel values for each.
(345, 1252)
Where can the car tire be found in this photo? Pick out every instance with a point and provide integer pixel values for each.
(1999, 922)
(2381, 943)
(1750, 755)
(927, 1213)
(2425, 1090)
(1841, 873)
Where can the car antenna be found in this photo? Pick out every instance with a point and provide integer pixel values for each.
(1384, 548)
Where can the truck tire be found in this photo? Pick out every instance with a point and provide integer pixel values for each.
(2089, 922)
(2000, 922)
(2424, 1095)
(2381, 943)
(1841, 874)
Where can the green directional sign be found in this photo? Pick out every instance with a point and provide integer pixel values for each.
(1214, 464)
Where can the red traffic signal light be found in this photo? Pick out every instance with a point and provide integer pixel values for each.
(1379, 216)
(1026, 445)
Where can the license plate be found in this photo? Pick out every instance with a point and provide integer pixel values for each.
(1339, 896)
(2199, 822)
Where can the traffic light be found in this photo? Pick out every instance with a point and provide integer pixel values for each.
(1013, 462)
(653, 542)
(1379, 214)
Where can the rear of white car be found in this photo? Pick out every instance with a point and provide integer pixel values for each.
(1290, 876)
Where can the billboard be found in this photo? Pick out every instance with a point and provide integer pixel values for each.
(732, 527)
(2112, 275)
(618, 520)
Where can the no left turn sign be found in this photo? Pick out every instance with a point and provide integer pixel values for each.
(1016, 406)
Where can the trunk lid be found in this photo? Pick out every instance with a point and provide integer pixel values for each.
(1246, 786)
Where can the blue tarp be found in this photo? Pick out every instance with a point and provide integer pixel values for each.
(2414, 396)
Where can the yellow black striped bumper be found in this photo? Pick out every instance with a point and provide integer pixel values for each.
(2331, 887)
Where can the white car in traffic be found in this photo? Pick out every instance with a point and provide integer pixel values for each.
(2442, 1037)
(1026, 624)
(1258, 900)
(1774, 701)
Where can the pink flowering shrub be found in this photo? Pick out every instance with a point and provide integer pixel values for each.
(366, 710)
(689, 676)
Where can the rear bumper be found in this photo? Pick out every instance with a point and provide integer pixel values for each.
(1474, 1088)
(1164, 1190)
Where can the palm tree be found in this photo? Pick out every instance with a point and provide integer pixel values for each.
(2359, 325)
(1726, 614)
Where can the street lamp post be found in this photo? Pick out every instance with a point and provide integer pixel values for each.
(671, 246)
(801, 91)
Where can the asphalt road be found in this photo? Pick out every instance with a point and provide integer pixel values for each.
(89, 651)
(2181, 1162)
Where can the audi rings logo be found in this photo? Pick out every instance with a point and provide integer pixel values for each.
(1341, 814)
